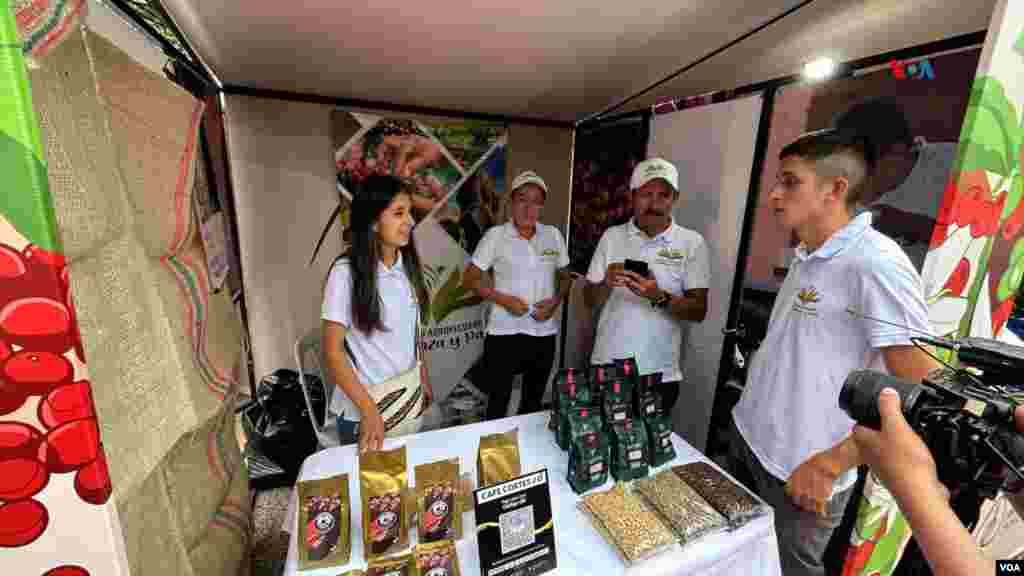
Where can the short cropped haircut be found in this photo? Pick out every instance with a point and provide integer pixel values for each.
(834, 153)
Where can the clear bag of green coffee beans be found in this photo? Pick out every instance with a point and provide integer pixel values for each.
(659, 440)
(627, 451)
(588, 462)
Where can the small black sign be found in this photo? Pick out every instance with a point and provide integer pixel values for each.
(1009, 567)
(515, 529)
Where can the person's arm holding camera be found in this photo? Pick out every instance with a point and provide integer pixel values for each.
(901, 460)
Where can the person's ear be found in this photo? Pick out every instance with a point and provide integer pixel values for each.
(839, 189)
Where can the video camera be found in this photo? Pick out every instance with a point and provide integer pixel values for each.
(964, 415)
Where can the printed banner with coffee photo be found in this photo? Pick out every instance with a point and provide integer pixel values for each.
(458, 170)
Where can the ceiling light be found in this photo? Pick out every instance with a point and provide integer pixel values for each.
(820, 69)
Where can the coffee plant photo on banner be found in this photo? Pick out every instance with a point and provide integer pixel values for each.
(975, 262)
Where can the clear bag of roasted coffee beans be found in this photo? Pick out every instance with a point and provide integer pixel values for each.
(730, 499)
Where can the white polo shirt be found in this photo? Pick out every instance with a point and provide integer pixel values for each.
(629, 325)
(525, 269)
(789, 409)
(384, 354)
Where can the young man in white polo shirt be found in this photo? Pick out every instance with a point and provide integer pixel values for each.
(529, 261)
(642, 315)
(790, 436)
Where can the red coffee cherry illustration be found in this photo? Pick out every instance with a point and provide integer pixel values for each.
(22, 522)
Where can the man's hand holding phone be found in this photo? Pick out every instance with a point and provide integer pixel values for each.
(638, 267)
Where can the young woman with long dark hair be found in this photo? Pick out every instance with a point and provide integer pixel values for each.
(371, 309)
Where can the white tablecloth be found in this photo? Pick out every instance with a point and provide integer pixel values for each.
(751, 550)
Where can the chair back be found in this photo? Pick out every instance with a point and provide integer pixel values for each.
(308, 360)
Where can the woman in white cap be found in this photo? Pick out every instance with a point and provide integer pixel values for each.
(529, 263)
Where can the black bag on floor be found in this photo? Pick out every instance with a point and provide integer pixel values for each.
(280, 433)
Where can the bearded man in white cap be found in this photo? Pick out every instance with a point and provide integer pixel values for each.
(643, 313)
(529, 262)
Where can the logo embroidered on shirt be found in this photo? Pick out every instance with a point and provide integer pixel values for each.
(549, 252)
(807, 297)
(671, 253)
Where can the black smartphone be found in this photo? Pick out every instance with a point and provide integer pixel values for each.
(348, 431)
(638, 267)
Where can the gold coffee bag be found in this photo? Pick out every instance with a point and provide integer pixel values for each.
(324, 523)
(382, 482)
(437, 559)
(401, 565)
(498, 458)
(437, 487)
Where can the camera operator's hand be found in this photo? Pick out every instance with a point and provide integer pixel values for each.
(899, 457)
(810, 486)
(896, 454)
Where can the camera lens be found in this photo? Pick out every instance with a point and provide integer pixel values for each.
(859, 396)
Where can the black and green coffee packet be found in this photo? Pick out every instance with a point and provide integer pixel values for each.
(627, 451)
(615, 408)
(626, 369)
(571, 390)
(659, 440)
(575, 423)
(588, 462)
(598, 378)
(646, 396)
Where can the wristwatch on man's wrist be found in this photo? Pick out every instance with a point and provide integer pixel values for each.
(662, 300)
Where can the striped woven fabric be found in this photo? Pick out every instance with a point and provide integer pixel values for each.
(192, 276)
(43, 24)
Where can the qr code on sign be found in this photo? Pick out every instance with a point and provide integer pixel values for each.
(516, 529)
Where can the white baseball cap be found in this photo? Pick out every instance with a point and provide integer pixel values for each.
(652, 169)
(529, 177)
